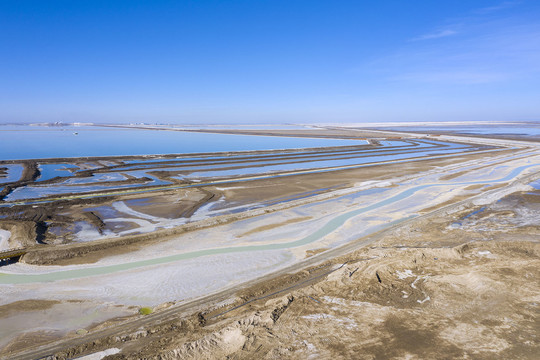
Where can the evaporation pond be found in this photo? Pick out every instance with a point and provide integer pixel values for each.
(14, 172)
(49, 171)
(536, 184)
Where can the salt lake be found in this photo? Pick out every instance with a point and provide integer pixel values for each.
(40, 142)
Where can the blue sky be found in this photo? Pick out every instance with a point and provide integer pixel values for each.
(265, 61)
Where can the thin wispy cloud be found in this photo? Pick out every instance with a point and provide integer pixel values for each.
(436, 35)
(492, 53)
(502, 6)
(490, 49)
(457, 77)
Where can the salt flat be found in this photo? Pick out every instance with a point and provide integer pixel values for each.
(224, 235)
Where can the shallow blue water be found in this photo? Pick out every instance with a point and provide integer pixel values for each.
(95, 178)
(191, 162)
(38, 191)
(155, 181)
(14, 173)
(460, 222)
(41, 191)
(49, 171)
(205, 173)
(78, 185)
(326, 229)
(29, 192)
(37, 142)
(106, 211)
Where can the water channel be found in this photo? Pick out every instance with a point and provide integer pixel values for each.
(325, 230)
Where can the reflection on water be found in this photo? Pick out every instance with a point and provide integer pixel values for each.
(14, 173)
(413, 151)
(49, 171)
(31, 142)
(327, 228)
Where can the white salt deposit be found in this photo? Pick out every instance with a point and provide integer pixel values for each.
(4, 237)
(99, 355)
(404, 274)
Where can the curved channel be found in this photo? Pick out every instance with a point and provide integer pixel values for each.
(328, 228)
(90, 195)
